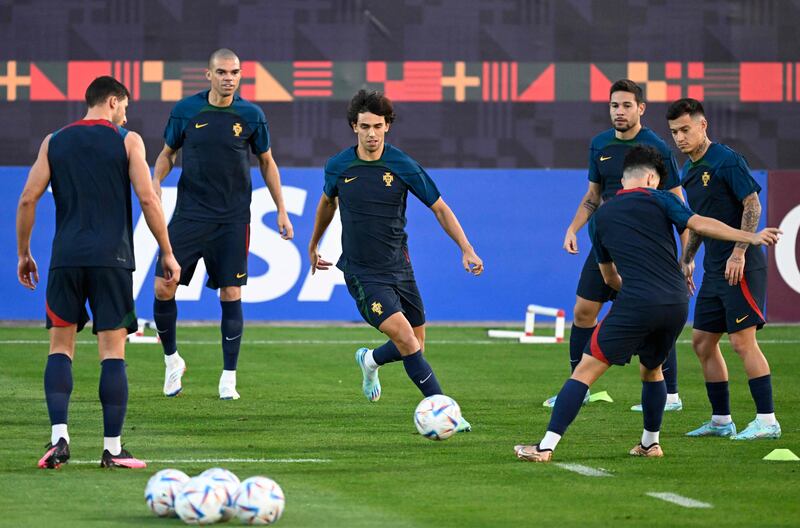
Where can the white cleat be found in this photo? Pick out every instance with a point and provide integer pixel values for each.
(173, 373)
(227, 389)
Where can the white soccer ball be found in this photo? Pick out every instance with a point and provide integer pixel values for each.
(437, 417)
(230, 483)
(200, 501)
(161, 490)
(259, 501)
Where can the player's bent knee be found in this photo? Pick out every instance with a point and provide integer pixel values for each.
(164, 291)
(585, 312)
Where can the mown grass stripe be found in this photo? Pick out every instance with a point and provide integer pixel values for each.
(680, 500)
(586, 471)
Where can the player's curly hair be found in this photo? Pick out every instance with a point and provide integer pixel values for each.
(374, 102)
(104, 87)
(645, 157)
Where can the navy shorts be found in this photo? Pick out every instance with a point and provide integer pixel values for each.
(223, 248)
(377, 299)
(591, 285)
(108, 290)
(649, 332)
(722, 308)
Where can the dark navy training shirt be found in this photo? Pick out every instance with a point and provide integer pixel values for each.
(606, 154)
(634, 230)
(92, 194)
(715, 186)
(215, 181)
(372, 200)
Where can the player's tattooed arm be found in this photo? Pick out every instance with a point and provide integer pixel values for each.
(692, 245)
(589, 204)
(750, 216)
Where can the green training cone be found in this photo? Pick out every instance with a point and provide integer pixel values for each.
(785, 455)
(600, 396)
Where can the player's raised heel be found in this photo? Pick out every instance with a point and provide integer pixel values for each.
(123, 460)
(173, 374)
(710, 428)
(640, 451)
(756, 430)
(551, 401)
(370, 384)
(669, 406)
(55, 455)
(531, 453)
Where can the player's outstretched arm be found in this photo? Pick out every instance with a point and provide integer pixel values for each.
(326, 209)
(610, 275)
(139, 174)
(35, 186)
(690, 247)
(734, 267)
(447, 219)
(164, 163)
(272, 177)
(709, 227)
(589, 204)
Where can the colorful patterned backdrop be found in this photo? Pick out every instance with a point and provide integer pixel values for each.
(492, 83)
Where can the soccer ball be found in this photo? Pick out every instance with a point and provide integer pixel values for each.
(161, 490)
(437, 417)
(200, 501)
(230, 483)
(259, 501)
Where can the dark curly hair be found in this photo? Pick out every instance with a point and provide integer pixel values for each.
(374, 102)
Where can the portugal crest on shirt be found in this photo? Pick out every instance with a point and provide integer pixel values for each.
(388, 178)
(706, 177)
(237, 129)
(377, 308)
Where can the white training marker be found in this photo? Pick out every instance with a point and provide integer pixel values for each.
(216, 460)
(680, 500)
(586, 471)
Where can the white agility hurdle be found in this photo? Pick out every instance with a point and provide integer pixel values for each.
(527, 335)
(139, 337)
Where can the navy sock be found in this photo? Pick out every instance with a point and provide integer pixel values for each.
(231, 327)
(719, 397)
(761, 389)
(421, 374)
(386, 353)
(654, 396)
(113, 395)
(568, 403)
(670, 370)
(578, 337)
(165, 315)
(58, 387)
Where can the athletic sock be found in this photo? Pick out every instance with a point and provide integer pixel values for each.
(670, 370)
(719, 397)
(578, 338)
(649, 438)
(568, 403)
(421, 374)
(165, 315)
(113, 395)
(112, 444)
(550, 441)
(654, 396)
(761, 390)
(228, 377)
(231, 327)
(721, 419)
(386, 353)
(369, 360)
(673, 397)
(57, 391)
(767, 418)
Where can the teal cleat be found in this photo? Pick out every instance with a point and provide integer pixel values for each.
(463, 426)
(676, 406)
(709, 428)
(551, 401)
(756, 429)
(370, 384)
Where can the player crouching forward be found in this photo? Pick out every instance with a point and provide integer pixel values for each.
(635, 247)
(371, 182)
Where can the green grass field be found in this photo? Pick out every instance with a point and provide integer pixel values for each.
(301, 399)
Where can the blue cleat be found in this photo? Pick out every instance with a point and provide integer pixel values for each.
(551, 401)
(709, 428)
(463, 426)
(756, 429)
(370, 384)
(675, 406)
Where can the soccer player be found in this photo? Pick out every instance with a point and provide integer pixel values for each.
(633, 242)
(731, 298)
(215, 128)
(90, 165)
(370, 182)
(606, 154)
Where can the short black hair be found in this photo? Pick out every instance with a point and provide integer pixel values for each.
(687, 105)
(222, 53)
(645, 157)
(374, 102)
(104, 87)
(627, 85)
